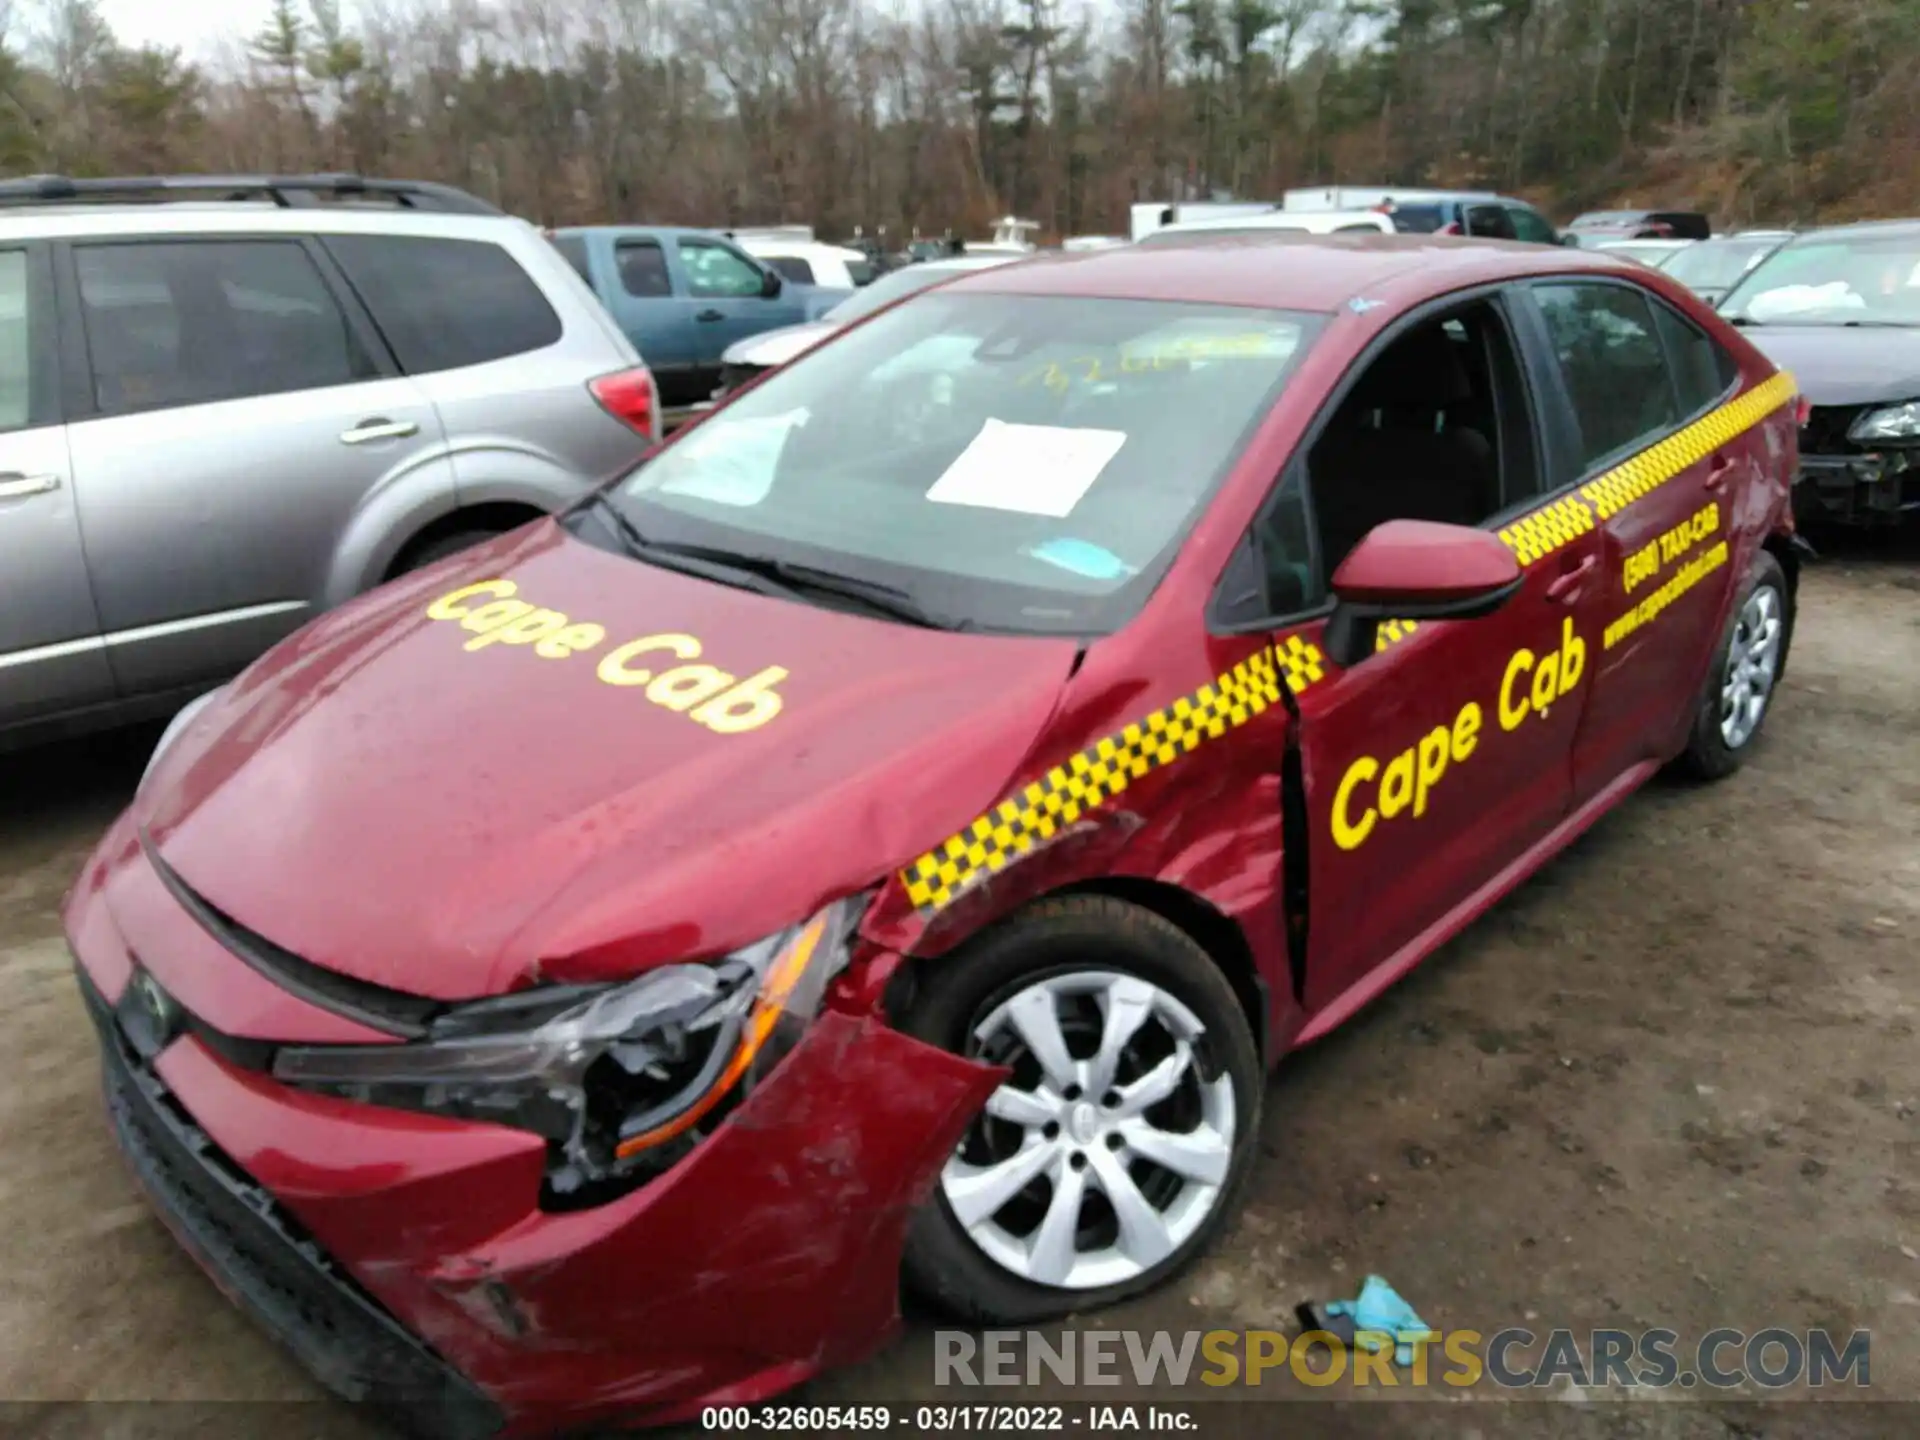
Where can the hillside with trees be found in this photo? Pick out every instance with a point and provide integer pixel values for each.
(943, 113)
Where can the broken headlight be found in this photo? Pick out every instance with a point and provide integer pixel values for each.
(1888, 422)
(622, 1079)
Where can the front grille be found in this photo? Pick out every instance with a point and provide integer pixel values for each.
(1825, 432)
(264, 1262)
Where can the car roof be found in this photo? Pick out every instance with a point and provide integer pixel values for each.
(248, 217)
(1865, 228)
(1285, 270)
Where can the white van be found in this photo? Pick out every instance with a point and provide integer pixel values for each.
(1268, 222)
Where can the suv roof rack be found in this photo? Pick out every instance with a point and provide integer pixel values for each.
(286, 191)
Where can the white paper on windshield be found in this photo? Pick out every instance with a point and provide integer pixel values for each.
(1793, 299)
(1031, 469)
(731, 462)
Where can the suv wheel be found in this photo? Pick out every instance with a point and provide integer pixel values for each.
(439, 549)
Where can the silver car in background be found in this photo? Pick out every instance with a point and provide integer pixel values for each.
(225, 412)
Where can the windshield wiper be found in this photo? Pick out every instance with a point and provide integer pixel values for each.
(768, 576)
(720, 566)
(889, 600)
(1878, 324)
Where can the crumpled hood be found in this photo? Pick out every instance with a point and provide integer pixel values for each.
(454, 811)
(1835, 365)
(776, 347)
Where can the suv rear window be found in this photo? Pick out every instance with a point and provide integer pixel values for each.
(573, 249)
(443, 304)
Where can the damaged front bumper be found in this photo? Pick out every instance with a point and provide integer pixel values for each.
(404, 1258)
(1872, 488)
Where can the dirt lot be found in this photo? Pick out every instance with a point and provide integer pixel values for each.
(1673, 1082)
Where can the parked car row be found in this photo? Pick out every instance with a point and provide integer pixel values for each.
(889, 838)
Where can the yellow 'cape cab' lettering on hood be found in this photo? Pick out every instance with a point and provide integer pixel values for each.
(493, 613)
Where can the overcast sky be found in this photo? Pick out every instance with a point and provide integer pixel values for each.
(191, 25)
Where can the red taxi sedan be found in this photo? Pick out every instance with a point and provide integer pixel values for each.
(892, 830)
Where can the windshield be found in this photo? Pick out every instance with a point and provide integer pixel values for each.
(1009, 462)
(1716, 264)
(1836, 280)
(893, 286)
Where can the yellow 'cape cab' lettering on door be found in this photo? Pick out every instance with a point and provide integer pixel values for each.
(492, 612)
(1370, 792)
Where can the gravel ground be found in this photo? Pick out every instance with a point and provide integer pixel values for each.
(1672, 1082)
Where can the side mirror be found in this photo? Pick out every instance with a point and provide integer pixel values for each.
(1570, 240)
(1416, 570)
(770, 284)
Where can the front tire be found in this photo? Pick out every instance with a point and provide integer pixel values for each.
(1746, 670)
(1121, 1141)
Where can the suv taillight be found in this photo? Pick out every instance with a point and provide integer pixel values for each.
(1452, 228)
(628, 396)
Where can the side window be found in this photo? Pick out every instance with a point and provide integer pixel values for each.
(643, 269)
(1491, 221)
(445, 304)
(791, 267)
(1436, 427)
(1702, 371)
(1531, 226)
(714, 271)
(193, 322)
(17, 362)
(1614, 365)
(573, 249)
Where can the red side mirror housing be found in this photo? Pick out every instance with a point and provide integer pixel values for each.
(1416, 570)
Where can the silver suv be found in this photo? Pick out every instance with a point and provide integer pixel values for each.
(223, 413)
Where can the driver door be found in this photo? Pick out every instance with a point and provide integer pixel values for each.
(1436, 764)
(728, 299)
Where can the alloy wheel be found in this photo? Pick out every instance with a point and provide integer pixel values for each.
(1109, 1144)
(1753, 662)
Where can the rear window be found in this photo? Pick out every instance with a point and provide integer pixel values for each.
(790, 267)
(444, 304)
(1418, 219)
(573, 249)
(1026, 463)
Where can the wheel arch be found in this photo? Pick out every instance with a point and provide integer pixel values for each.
(1787, 549)
(1204, 923)
(494, 516)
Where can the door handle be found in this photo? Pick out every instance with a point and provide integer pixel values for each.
(1718, 469)
(17, 486)
(1567, 588)
(378, 430)
(710, 315)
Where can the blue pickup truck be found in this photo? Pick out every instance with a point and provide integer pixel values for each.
(683, 296)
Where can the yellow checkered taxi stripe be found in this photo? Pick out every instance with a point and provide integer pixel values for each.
(1059, 798)
(1096, 775)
